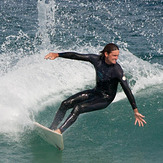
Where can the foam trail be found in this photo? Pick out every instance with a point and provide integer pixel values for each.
(35, 83)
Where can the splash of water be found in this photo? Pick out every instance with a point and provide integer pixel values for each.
(46, 18)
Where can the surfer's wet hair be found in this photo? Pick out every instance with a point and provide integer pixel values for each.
(108, 48)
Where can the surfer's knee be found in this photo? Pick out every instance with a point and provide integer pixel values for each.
(64, 105)
(67, 103)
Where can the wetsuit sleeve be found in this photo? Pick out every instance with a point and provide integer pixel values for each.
(77, 56)
(126, 88)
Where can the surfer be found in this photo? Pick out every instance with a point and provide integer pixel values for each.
(108, 74)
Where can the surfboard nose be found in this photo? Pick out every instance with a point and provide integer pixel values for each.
(50, 136)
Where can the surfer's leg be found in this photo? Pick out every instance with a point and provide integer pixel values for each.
(91, 105)
(69, 103)
(59, 116)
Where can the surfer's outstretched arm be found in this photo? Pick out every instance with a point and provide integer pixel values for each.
(139, 118)
(123, 81)
(72, 55)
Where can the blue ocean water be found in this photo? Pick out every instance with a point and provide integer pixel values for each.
(31, 88)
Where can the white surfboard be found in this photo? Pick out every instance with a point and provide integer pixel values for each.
(50, 136)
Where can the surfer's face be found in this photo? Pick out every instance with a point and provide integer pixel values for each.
(112, 57)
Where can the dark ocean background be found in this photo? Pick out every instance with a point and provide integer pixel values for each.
(31, 88)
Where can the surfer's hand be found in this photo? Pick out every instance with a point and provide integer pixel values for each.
(139, 118)
(51, 56)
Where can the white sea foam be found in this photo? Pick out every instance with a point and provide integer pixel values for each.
(33, 83)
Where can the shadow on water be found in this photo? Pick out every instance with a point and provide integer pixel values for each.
(41, 151)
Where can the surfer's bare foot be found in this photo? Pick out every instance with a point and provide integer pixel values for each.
(58, 131)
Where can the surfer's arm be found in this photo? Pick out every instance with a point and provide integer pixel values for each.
(128, 93)
(138, 117)
(123, 81)
(71, 55)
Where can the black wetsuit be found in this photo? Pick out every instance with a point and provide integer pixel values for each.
(107, 79)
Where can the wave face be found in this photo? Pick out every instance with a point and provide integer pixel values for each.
(31, 88)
